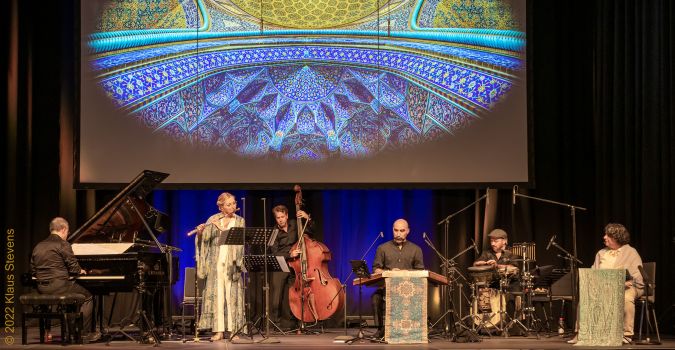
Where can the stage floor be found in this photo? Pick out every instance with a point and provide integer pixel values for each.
(326, 341)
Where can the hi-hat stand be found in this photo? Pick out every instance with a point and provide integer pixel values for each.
(572, 257)
(450, 329)
(526, 318)
(446, 291)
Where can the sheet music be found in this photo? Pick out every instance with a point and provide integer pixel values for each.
(257, 261)
(100, 248)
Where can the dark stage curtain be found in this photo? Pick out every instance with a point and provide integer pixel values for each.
(634, 130)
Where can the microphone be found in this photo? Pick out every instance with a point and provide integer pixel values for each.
(513, 195)
(381, 234)
(550, 242)
(475, 247)
(426, 240)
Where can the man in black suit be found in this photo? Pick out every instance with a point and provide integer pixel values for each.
(54, 265)
(280, 282)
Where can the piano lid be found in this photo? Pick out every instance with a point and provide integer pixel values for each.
(118, 221)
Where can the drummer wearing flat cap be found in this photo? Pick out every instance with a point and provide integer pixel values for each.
(498, 256)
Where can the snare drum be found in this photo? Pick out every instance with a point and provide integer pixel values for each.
(482, 275)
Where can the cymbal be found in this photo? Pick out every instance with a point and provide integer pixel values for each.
(521, 260)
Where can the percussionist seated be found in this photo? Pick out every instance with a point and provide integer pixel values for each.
(397, 254)
(504, 261)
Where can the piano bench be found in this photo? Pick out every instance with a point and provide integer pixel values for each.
(42, 308)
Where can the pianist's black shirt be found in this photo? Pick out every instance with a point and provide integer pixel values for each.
(53, 259)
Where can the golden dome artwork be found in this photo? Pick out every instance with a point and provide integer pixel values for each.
(310, 14)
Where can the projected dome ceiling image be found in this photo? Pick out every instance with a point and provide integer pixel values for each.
(307, 80)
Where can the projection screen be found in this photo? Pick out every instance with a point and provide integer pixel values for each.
(310, 91)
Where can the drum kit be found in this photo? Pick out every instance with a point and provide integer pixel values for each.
(492, 287)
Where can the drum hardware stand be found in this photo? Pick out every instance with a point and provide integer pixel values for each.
(573, 257)
(446, 291)
(527, 311)
(452, 274)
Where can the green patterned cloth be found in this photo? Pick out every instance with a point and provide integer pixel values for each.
(601, 307)
(406, 307)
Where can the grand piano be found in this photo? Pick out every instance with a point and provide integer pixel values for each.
(118, 245)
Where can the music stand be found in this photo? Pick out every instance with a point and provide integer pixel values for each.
(258, 263)
(360, 269)
(247, 236)
(271, 263)
(255, 236)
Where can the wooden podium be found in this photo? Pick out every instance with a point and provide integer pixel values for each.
(601, 294)
(405, 317)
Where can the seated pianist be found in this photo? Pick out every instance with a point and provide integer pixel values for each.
(397, 254)
(54, 266)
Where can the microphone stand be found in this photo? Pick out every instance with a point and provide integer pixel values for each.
(446, 271)
(573, 256)
(346, 338)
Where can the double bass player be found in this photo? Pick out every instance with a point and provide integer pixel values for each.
(280, 282)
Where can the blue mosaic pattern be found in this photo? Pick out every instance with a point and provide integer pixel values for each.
(427, 13)
(476, 87)
(191, 13)
(223, 22)
(244, 111)
(482, 57)
(307, 95)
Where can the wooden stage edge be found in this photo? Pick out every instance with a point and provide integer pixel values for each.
(326, 341)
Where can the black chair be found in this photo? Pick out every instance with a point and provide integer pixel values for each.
(42, 307)
(190, 297)
(648, 271)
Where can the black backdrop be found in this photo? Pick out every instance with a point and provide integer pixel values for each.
(602, 112)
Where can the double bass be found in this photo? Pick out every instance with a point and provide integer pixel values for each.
(311, 296)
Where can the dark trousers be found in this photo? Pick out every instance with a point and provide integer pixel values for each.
(280, 310)
(63, 287)
(378, 301)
